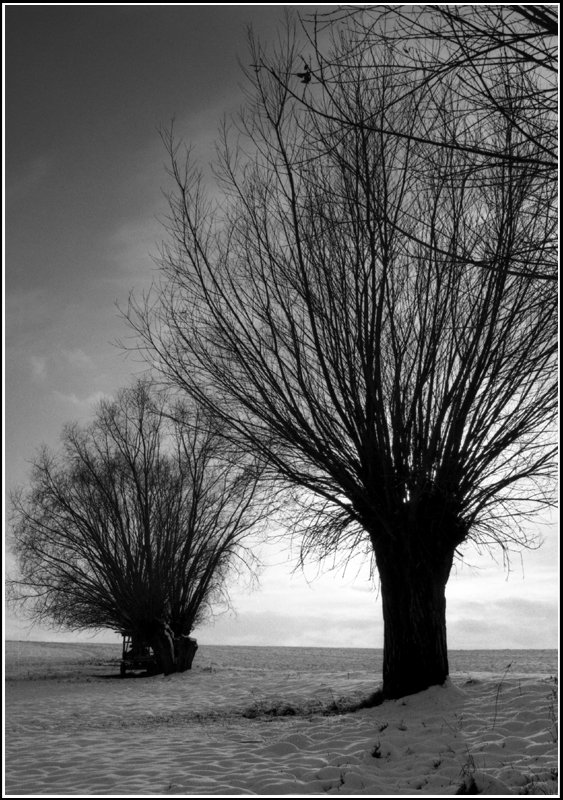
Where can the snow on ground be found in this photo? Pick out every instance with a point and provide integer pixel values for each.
(226, 729)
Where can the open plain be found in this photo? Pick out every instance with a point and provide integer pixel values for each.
(268, 721)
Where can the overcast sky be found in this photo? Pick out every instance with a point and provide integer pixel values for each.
(86, 90)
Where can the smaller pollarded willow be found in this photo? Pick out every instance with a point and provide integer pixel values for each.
(136, 523)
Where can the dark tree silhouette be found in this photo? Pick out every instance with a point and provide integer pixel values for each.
(135, 524)
(472, 68)
(475, 47)
(365, 311)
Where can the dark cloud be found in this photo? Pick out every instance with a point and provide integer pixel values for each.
(510, 622)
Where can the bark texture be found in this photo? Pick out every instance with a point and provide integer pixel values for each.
(414, 570)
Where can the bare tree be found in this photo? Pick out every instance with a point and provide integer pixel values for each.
(356, 310)
(475, 47)
(472, 68)
(135, 524)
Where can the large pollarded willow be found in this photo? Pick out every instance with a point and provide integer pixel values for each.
(135, 523)
(357, 311)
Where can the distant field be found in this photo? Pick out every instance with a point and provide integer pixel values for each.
(83, 661)
(36, 660)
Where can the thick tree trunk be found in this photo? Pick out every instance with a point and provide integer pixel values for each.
(162, 643)
(413, 584)
(185, 649)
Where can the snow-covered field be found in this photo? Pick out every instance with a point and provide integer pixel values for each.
(271, 721)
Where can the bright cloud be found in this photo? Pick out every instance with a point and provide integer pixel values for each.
(83, 405)
(78, 359)
(38, 366)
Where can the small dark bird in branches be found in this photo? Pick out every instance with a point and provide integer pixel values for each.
(306, 75)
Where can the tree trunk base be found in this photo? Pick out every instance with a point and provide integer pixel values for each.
(185, 650)
(413, 591)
